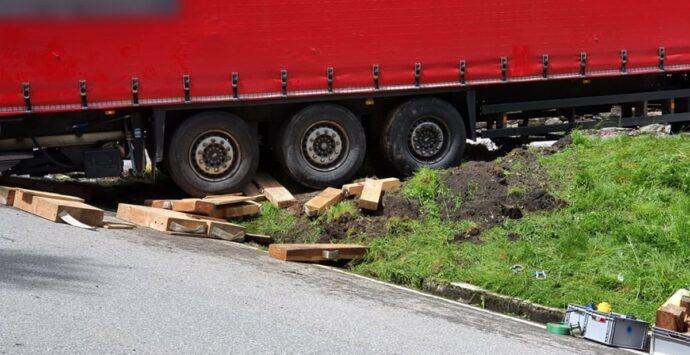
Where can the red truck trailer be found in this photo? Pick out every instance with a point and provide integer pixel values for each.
(206, 85)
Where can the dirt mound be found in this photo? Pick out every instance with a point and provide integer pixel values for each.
(349, 226)
(395, 205)
(490, 192)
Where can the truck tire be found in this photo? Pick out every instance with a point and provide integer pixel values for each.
(213, 153)
(423, 132)
(322, 145)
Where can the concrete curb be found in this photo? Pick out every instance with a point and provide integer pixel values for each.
(474, 295)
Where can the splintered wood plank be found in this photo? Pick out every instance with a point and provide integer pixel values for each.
(316, 252)
(179, 222)
(371, 195)
(353, 190)
(274, 191)
(323, 201)
(7, 195)
(50, 208)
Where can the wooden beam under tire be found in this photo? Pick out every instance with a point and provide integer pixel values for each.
(274, 191)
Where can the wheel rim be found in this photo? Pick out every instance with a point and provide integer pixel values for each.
(428, 140)
(215, 155)
(325, 146)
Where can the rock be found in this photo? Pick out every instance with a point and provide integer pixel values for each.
(542, 144)
(553, 121)
(658, 129)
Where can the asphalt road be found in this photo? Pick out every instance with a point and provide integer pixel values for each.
(71, 291)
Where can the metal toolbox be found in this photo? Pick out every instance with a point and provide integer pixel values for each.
(668, 342)
(608, 328)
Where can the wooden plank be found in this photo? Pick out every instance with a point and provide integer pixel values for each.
(353, 190)
(248, 208)
(274, 191)
(390, 184)
(7, 195)
(50, 208)
(178, 222)
(371, 195)
(60, 188)
(316, 252)
(323, 201)
(154, 218)
(252, 191)
(26, 193)
(164, 204)
(114, 225)
(214, 207)
(671, 317)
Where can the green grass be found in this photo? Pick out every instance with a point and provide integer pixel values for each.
(342, 208)
(283, 226)
(628, 215)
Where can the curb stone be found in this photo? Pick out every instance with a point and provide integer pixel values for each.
(471, 294)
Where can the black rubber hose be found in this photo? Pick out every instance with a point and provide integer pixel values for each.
(51, 159)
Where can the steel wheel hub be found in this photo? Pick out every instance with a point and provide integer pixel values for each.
(324, 146)
(213, 155)
(426, 140)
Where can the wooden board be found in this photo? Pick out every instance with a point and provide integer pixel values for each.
(353, 190)
(7, 195)
(671, 317)
(214, 206)
(248, 208)
(50, 208)
(323, 201)
(164, 204)
(113, 225)
(252, 191)
(59, 188)
(371, 195)
(390, 184)
(274, 191)
(178, 222)
(315, 252)
(236, 206)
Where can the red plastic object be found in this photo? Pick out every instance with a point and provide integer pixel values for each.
(208, 40)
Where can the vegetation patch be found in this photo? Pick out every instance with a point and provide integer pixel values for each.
(603, 219)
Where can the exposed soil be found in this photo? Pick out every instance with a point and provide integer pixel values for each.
(491, 192)
(348, 226)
